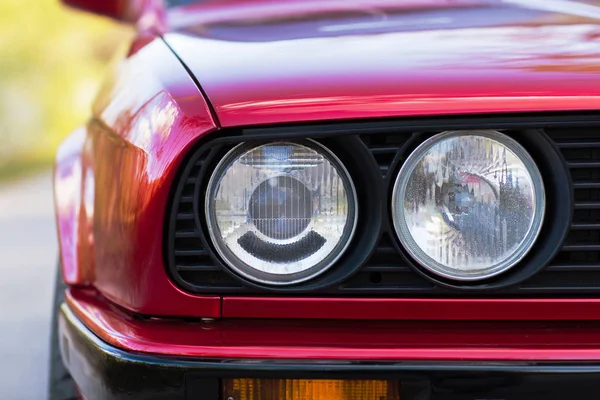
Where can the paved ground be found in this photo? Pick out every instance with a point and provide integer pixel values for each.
(28, 253)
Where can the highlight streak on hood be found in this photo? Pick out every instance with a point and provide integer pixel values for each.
(560, 6)
(490, 58)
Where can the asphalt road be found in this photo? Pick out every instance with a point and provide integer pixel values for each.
(28, 253)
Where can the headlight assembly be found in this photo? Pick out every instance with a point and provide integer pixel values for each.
(468, 205)
(280, 213)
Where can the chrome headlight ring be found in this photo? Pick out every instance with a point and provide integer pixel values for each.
(280, 213)
(468, 205)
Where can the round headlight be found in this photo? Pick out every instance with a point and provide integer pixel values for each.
(282, 212)
(468, 205)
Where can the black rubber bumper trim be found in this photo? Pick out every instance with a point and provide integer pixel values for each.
(102, 371)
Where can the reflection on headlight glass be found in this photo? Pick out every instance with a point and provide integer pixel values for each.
(469, 206)
(280, 209)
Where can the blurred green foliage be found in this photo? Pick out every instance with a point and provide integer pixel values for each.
(51, 63)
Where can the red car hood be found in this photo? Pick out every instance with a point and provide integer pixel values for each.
(264, 62)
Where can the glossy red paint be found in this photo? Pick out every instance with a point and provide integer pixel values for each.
(340, 340)
(117, 9)
(147, 15)
(113, 177)
(113, 180)
(280, 63)
(413, 309)
(219, 11)
(67, 203)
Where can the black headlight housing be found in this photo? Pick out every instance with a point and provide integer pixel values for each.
(375, 263)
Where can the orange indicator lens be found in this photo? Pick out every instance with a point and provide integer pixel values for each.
(310, 389)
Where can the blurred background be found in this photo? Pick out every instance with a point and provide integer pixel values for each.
(51, 63)
(52, 60)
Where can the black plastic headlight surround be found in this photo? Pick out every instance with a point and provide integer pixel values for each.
(375, 260)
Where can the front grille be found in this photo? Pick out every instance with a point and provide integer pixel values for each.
(575, 270)
(193, 262)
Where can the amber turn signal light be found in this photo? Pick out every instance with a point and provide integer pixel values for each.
(310, 389)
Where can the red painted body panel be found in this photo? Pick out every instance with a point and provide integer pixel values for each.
(67, 201)
(340, 340)
(109, 8)
(215, 12)
(113, 181)
(276, 64)
(113, 177)
(150, 115)
(413, 309)
(129, 11)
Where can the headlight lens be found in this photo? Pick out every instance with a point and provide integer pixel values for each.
(280, 213)
(468, 205)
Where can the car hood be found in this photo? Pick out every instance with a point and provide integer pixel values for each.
(265, 63)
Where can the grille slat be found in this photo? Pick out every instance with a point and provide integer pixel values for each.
(586, 185)
(576, 145)
(386, 249)
(573, 267)
(581, 226)
(199, 268)
(190, 253)
(581, 247)
(587, 205)
(186, 234)
(574, 270)
(386, 268)
(185, 216)
(384, 150)
(584, 164)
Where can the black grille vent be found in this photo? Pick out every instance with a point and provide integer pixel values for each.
(386, 270)
(574, 270)
(193, 263)
(385, 148)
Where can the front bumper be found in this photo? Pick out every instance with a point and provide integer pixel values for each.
(104, 371)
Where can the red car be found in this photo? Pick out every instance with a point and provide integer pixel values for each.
(346, 199)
